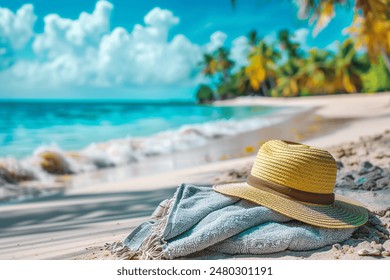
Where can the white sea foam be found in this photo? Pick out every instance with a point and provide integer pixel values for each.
(118, 152)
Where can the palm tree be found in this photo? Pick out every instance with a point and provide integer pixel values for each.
(252, 38)
(289, 79)
(348, 67)
(210, 65)
(317, 72)
(292, 48)
(370, 28)
(241, 83)
(261, 70)
(217, 66)
(223, 63)
(205, 94)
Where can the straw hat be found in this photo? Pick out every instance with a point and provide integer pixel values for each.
(298, 181)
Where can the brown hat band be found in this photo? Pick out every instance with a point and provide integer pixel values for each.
(302, 196)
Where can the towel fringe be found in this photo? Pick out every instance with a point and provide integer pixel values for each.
(119, 249)
(152, 247)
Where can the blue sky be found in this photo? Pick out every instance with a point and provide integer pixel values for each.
(133, 49)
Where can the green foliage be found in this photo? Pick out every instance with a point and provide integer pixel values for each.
(205, 94)
(289, 46)
(377, 78)
(226, 90)
(291, 71)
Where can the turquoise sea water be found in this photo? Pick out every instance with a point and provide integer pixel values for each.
(72, 125)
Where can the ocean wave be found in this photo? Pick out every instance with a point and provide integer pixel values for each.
(48, 161)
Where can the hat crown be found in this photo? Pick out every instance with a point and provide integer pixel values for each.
(296, 166)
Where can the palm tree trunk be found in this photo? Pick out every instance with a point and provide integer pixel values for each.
(264, 89)
(272, 83)
(386, 59)
(225, 76)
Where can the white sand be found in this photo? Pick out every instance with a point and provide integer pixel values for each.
(76, 225)
(371, 113)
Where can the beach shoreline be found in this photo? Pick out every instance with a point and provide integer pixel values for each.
(60, 172)
(370, 111)
(296, 119)
(88, 217)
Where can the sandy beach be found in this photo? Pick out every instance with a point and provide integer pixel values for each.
(77, 223)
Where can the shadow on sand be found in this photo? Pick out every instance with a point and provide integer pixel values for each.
(61, 213)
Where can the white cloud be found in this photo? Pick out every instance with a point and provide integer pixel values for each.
(239, 52)
(300, 36)
(16, 29)
(271, 38)
(333, 47)
(142, 57)
(161, 20)
(85, 52)
(217, 40)
(63, 35)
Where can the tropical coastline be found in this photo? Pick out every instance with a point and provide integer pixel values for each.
(151, 131)
(51, 169)
(125, 204)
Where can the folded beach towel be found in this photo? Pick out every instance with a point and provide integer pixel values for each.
(198, 218)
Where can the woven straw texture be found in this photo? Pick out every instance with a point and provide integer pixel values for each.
(303, 168)
(296, 166)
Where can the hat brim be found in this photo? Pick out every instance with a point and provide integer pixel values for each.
(342, 213)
